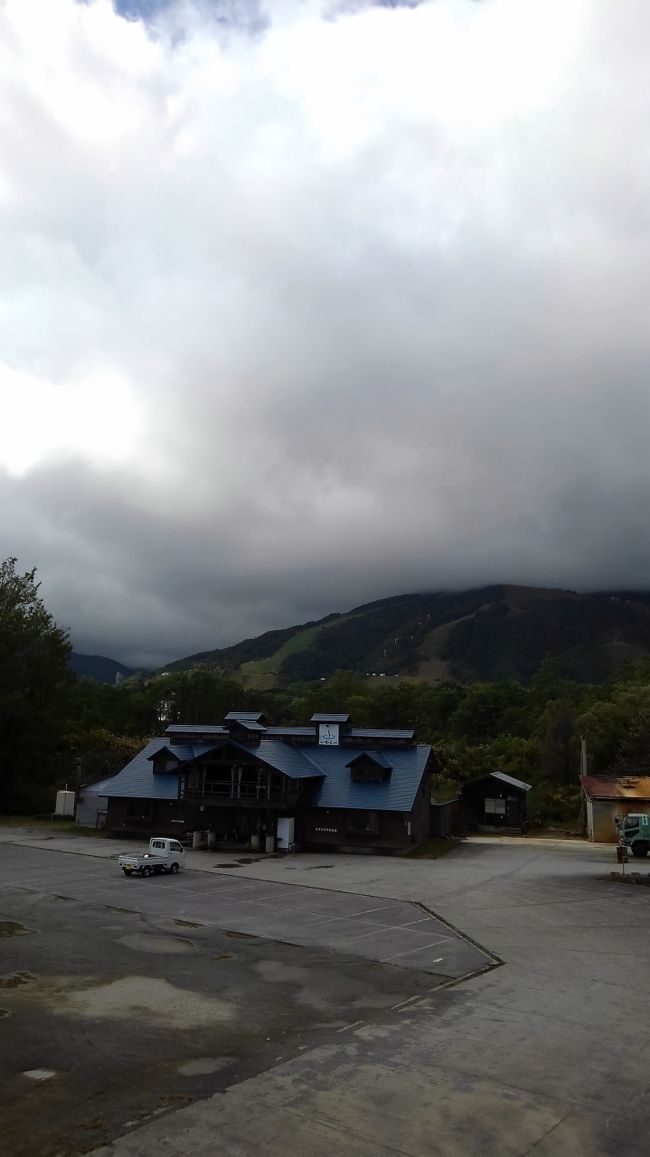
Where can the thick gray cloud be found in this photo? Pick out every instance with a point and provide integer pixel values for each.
(319, 302)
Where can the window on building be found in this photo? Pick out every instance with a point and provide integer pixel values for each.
(365, 769)
(139, 809)
(495, 807)
(363, 822)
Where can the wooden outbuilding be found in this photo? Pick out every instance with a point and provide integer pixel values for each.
(495, 802)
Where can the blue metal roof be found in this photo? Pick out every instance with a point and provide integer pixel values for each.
(331, 765)
(397, 793)
(183, 751)
(376, 756)
(378, 733)
(137, 780)
(301, 732)
(289, 760)
(323, 717)
(196, 729)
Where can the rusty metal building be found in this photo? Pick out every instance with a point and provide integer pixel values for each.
(607, 797)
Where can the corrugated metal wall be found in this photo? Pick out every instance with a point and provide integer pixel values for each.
(602, 829)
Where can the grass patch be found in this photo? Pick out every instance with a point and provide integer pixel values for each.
(271, 665)
(431, 850)
(64, 827)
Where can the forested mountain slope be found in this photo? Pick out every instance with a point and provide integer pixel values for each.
(494, 633)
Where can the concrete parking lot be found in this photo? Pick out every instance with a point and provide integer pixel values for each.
(544, 1055)
(375, 928)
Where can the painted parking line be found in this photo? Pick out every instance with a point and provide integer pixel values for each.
(420, 948)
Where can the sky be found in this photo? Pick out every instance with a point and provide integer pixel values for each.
(305, 303)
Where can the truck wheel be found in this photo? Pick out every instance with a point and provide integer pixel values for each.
(640, 849)
(174, 869)
(146, 872)
(127, 871)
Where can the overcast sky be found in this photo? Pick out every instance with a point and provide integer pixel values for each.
(308, 302)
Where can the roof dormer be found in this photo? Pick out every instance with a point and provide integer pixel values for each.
(244, 717)
(369, 767)
(245, 725)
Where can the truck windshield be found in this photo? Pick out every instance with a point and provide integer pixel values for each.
(631, 822)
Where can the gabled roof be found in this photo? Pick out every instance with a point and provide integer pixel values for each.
(503, 778)
(396, 793)
(290, 760)
(376, 757)
(97, 787)
(300, 732)
(196, 729)
(379, 733)
(182, 751)
(328, 768)
(510, 779)
(325, 717)
(623, 787)
(137, 780)
(244, 717)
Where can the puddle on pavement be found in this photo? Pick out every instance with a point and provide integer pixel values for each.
(223, 956)
(15, 979)
(203, 1066)
(12, 928)
(39, 1074)
(160, 945)
(189, 924)
(133, 998)
(241, 936)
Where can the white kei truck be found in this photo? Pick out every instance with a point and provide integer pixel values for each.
(164, 855)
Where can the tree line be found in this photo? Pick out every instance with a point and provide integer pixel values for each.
(56, 728)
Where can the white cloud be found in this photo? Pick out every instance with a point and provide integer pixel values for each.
(318, 304)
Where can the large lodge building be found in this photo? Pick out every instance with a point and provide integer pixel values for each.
(326, 784)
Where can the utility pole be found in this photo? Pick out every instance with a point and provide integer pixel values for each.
(583, 756)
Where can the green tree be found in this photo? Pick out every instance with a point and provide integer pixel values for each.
(34, 693)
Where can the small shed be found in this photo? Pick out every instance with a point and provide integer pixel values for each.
(495, 802)
(446, 818)
(92, 806)
(607, 797)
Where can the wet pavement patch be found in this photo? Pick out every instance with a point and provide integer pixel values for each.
(145, 997)
(39, 1074)
(164, 945)
(12, 928)
(97, 999)
(15, 979)
(203, 1066)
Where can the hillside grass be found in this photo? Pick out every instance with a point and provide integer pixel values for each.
(63, 827)
(262, 674)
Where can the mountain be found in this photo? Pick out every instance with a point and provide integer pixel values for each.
(495, 633)
(99, 668)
